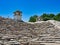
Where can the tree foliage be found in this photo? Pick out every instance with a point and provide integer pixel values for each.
(33, 18)
(57, 17)
(46, 17)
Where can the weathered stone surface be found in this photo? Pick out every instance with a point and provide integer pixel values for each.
(23, 32)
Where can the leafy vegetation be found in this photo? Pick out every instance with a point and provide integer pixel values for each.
(33, 18)
(45, 17)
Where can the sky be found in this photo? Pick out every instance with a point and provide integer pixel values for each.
(28, 7)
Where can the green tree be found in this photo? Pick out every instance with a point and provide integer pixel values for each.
(33, 18)
(45, 17)
(57, 17)
(51, 16)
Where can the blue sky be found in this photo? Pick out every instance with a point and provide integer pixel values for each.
(28, 7)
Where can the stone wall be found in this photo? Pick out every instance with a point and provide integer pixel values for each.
(28, 33)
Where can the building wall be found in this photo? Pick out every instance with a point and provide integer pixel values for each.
(17, 17)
